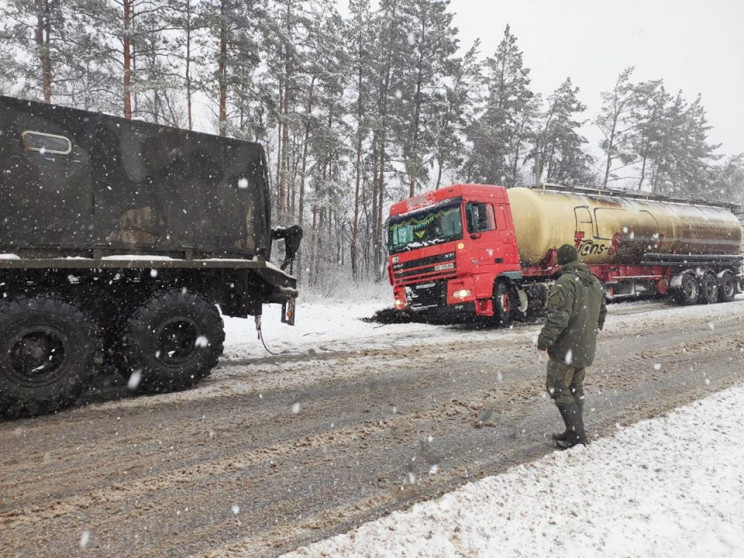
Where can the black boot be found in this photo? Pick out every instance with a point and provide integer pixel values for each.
(561, 437)
(572, 416)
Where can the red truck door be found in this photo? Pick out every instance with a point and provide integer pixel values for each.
(491, 242)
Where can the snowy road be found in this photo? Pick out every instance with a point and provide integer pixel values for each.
(352, 422)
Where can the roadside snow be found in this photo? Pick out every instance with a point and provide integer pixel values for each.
(339, 326)
(671, 486)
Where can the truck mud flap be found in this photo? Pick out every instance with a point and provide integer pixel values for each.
(288, 312)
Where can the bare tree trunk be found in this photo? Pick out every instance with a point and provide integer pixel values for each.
(188, 64)
(610, 146)
(284, 159)
(42, 47)
(128, 58)
(415, 136)
(643, 171)
(222, 69)
(279, 143)
(314, 246)
(306, 142)
(380, 202)
(358, 170)
(372, 225)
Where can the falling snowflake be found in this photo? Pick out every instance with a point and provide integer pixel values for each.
(657, 366)
(201, 342)
(296, 408)
(84, 538)
(235, 509)
(569, 357)
(134, 379)
(243, 183)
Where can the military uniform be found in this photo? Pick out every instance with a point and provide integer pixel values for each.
(576, 312)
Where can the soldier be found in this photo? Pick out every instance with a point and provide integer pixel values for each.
(576, 311)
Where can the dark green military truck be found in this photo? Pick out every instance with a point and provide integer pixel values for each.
(118, 240)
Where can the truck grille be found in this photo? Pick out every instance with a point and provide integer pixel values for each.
(441, 265)
(427, 295)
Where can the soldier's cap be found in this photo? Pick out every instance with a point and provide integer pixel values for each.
(567, 254)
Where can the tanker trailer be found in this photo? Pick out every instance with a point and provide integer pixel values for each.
(118, 239)
(478, 250)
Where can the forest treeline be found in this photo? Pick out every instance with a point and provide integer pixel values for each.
(355, 110)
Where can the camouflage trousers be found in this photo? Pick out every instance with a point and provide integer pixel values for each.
(565, 383)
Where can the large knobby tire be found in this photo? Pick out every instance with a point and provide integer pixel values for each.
(171, 342)
(49, 351)
(709, 288)
(727, 287)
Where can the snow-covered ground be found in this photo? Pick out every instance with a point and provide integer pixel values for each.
(668, 487)
(672, 486)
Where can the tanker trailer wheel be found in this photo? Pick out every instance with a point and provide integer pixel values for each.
(709, 288)
(50, 349)
(726, 287)
(172, 341)
(689, 290)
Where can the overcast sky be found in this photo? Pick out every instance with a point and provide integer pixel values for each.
(693, 45)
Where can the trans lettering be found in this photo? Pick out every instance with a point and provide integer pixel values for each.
(588, 247)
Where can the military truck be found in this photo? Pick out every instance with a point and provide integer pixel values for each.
(119, 239)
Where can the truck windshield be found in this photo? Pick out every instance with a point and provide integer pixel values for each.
(433, 225)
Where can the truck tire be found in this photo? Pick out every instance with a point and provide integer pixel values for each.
(689, 290)
(726, 287)
(709, 288)
(172, 341)
(50, 349)
(502, 303)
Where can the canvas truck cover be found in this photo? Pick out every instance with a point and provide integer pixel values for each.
(81, 184)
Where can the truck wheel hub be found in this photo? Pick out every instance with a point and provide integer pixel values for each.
(177, 341)
(37, 353)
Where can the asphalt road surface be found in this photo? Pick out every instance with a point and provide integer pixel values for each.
(271, 454)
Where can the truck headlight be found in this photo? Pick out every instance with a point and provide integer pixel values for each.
(462, 294)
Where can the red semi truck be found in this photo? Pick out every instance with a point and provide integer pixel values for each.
(479, 250)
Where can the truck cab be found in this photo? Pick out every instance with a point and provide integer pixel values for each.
(450, 249)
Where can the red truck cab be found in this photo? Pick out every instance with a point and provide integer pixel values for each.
(448, 249)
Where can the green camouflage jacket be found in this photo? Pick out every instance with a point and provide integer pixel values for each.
(576, 312)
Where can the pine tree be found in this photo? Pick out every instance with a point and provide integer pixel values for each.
(33, 48)
(182, 19)
(618, 127)
(358, 37)
(500, 132)
(452, 105)
(558, 154)
(388, 49)
(726, 181)
(672, 143)
(428, 63)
